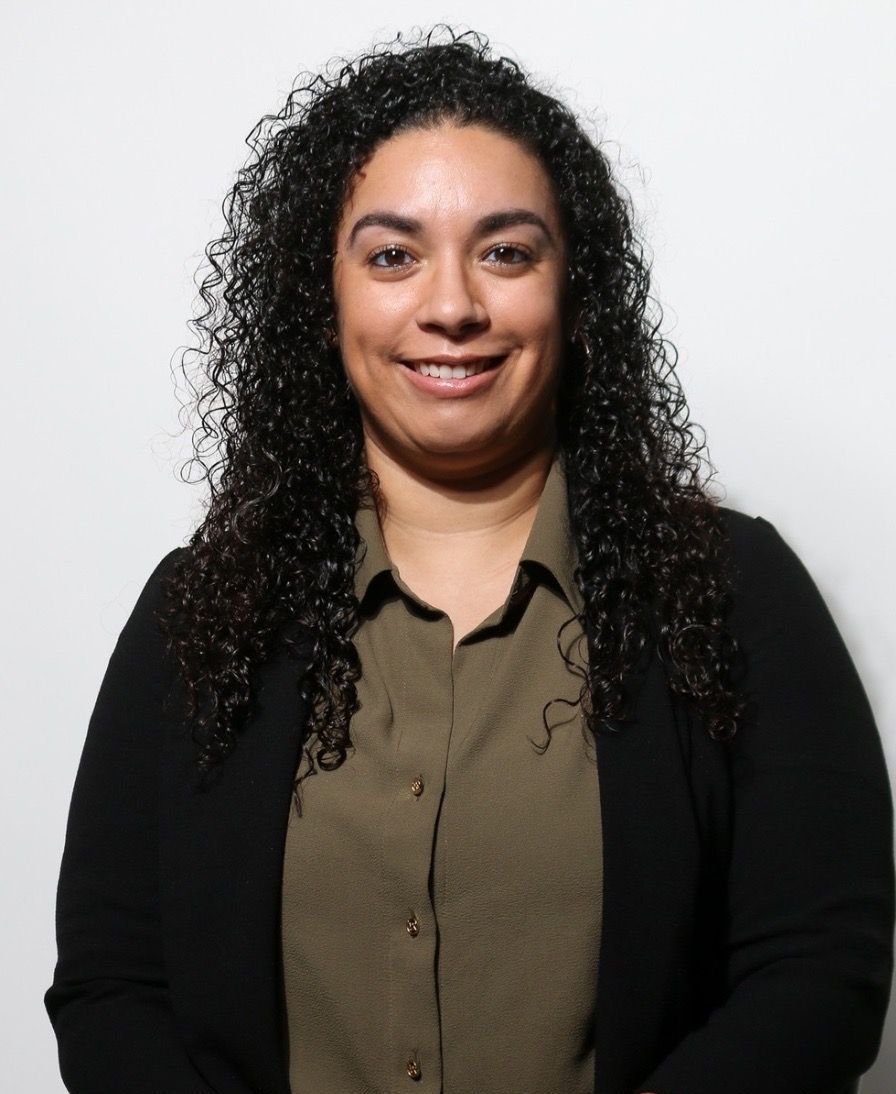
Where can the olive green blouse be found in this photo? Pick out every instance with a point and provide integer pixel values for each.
(441, 904)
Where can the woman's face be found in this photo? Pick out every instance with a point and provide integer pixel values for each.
(450, 247)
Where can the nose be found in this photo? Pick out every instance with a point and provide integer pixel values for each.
(450, 301)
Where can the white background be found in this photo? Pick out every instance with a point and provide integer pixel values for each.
(756, 140)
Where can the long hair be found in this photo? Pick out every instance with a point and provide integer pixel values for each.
(279, 438)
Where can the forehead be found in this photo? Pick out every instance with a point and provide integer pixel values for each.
(451, 172)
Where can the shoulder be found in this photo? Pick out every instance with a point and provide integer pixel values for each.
(152, 592)
(778, 614)
(144, 617)
(165, 565)
(756, 544)
(806, 696)
(769, 579)
(141, 632)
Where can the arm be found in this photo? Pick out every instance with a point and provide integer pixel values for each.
(811, 886)
(108, 1003)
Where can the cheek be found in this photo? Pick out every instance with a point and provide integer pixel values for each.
(373, 319)
(531, 309)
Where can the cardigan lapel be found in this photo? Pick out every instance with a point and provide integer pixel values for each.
(652, 869)
(221, 872)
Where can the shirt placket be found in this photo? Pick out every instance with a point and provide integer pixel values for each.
(424, 716)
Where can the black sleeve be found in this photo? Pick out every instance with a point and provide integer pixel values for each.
(811, 883)
(108, 1003)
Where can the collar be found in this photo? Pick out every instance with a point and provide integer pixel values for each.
(550, 546)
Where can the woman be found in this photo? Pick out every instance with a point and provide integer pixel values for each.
(599, 804)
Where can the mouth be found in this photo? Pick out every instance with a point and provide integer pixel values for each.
(442, 370)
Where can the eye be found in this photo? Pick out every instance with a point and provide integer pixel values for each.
(506, 251)
(389, 251)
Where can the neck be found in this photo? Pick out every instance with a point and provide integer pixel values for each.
(479, 520)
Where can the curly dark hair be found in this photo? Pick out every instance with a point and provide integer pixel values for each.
(279, 438)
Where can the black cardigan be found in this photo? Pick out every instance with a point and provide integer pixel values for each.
(748, 889)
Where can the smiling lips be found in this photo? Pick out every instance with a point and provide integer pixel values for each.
(453, 366)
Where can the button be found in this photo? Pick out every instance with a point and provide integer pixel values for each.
(417, 786)
(413, 1068)
(413, 926)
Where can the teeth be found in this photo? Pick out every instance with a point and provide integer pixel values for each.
(449, 372)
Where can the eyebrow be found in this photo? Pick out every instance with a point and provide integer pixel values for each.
(491, 222)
